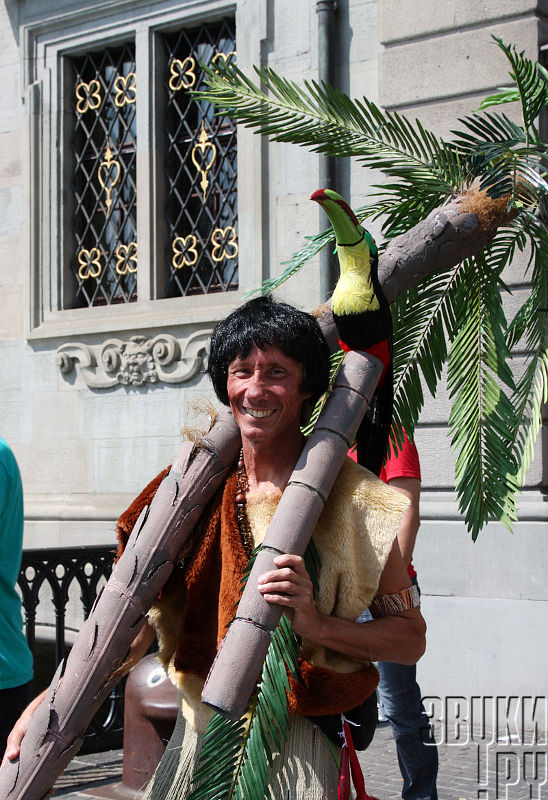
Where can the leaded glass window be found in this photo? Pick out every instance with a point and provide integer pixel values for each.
(200, 168)
(104, 261)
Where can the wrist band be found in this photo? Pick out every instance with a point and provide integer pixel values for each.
(386, 604)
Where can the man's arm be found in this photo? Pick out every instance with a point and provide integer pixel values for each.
(399, 637)
(407, 533)
(138, 649)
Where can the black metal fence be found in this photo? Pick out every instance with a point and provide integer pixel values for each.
(61, 569)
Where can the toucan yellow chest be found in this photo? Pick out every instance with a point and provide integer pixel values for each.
(354, 292)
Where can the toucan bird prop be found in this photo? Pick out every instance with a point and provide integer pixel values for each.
(363, 320)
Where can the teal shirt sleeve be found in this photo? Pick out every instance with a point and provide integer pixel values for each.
(15, 656)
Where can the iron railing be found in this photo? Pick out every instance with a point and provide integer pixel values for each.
(61, 569)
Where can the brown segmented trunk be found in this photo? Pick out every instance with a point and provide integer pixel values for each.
(83, 682)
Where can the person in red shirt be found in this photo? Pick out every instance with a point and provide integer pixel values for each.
(402, 471)
(398, 690)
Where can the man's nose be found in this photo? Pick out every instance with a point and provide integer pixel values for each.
(256, 383)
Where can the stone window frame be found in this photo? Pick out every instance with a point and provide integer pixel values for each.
(46, 43)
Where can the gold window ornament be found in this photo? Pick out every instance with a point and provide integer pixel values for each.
(227, 58)
(225, 244)
(182, 73)
(204, 154)
(90, 263)
(126, 258)
(185, 253)
(88, 96)
(125, 87)
(109, 175)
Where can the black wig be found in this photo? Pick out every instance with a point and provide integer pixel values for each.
(266, 323)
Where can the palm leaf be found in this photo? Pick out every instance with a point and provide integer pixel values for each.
(529, 325)
(313, 246)
(504, 95)
(480, 419)
(336, 360)
(328, 121)
(531, 83)
(424, 319)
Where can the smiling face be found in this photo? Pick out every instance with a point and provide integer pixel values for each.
(264, 391)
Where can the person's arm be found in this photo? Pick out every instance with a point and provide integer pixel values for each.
(407, 533)
(13, 744)
(137, 650)
(399, 638)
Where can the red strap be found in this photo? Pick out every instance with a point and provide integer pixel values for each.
(343, 787)
(357, 774)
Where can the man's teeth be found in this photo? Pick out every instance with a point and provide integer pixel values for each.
(259, 413)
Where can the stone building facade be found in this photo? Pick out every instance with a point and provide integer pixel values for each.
(103, 342)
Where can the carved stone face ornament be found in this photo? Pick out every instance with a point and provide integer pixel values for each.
(136, 362)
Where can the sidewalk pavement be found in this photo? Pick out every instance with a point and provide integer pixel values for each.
(466, 772)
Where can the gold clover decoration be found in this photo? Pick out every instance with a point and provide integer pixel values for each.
(88, 95)
(184, 251)
(90, 263)
(183, 75)
(225, 244)
(126, 258)
(126, 90)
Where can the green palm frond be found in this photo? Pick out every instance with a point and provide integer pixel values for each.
(503, 95)
(529, 326)
(455, 316)
(489, 133)
(520, 178)
(327, 121)
(480, 419)
(236, 757)
(424, 319)
(531, 82)
(312, 247)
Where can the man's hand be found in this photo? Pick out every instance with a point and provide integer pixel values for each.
(290, 586)
(20, 728)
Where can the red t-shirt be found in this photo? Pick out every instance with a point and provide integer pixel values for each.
(404, 464)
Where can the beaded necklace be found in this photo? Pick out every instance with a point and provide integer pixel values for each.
(241, 504)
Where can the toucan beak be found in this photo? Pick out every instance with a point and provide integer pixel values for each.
(348, 230)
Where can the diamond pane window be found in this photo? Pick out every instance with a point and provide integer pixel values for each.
(200, 168)
(104, 261)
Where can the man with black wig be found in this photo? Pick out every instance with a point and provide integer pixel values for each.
(267, 361)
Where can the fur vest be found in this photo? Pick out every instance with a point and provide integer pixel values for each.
(353, 538)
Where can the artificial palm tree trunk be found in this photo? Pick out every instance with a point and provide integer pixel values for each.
(452, 232)
(95, 663)
(238, 663)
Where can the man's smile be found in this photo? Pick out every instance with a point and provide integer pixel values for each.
(259, 413)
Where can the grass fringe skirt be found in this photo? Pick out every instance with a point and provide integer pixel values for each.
(305, 769)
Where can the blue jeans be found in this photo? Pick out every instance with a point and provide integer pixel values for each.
(400, 695)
